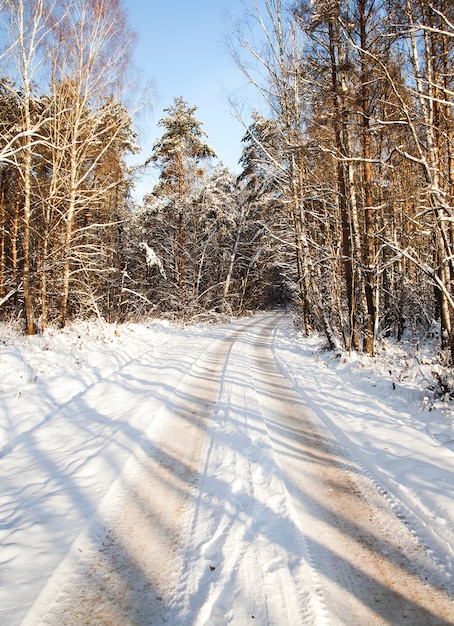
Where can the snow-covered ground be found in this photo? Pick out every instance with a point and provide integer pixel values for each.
(154, 474)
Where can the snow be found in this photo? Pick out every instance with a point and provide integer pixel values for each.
(391, 432)
(156, 465)
(152, 259)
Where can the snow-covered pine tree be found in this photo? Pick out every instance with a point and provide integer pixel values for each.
(179, 154)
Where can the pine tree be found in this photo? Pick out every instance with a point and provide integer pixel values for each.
(178, 154)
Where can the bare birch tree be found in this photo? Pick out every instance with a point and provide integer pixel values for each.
(28, 28)
(94, 45)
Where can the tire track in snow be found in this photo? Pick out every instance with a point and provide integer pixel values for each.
(372, 567)
(122, 565)
(267, 521)
(268, 395)
(245, 559)
(415, 511)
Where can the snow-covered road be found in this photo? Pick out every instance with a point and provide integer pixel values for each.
(211, 477)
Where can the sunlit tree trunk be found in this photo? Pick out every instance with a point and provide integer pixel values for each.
(344, 183)
(2, 237)
(369, 214)
(30, 28)
(180, 245)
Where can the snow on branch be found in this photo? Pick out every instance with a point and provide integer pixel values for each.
(8, 295)
(152, 259)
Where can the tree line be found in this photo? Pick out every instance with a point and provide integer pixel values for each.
(65, 134)
(358, 141)
(343, 207)
(72, 241)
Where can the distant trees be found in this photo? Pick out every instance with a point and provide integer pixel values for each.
(210, 231)
(70, 242)
(178, 154)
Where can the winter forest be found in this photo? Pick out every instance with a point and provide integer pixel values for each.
(343, 209)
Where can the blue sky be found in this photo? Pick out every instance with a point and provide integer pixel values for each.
(181, 48)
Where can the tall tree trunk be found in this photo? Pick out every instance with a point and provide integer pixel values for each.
(26, 243)
(44, 304)
(180, 246)
(14, 234)
(302, 252)
(2, 238)
(342, 177)
(26, 55)
(69, 224)
(369, 218)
